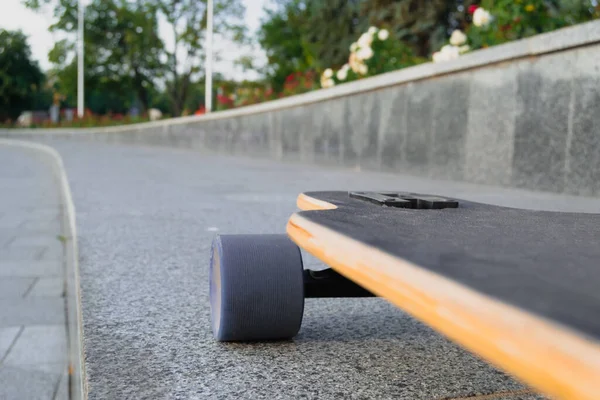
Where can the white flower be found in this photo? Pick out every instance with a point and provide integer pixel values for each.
(365, 40)
(327, 83)
(450, 52)
(481, 17)
(354, 47)
(458, 38)
(464, 49)
(328, 73)
(363, 69)
(447, 53)
(364, 53)
(372, 30)
(383, 34)
(342, 74)
(354, 62)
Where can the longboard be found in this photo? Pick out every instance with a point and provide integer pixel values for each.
(519, 288)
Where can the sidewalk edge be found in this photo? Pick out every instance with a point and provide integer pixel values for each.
(78, 386)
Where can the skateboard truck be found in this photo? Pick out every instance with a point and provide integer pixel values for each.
(329, 283)
(413, 201)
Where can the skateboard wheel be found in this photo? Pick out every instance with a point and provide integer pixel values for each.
(256, 287)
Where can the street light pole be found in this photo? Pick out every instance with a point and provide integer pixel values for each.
(80, 105)
(209, 56)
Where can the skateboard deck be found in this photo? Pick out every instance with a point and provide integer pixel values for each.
(520, 288)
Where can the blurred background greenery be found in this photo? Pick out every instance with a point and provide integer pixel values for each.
(132, 76)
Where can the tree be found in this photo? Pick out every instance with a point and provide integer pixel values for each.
(123, 48)
(124, 38)
(281, 36)
(21, 78)
(299, 35)
(187, 22)
(424, 25)
(332, 27)
(122, 51)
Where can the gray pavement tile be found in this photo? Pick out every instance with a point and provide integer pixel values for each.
(37, 239)
(14, 287)
(51, 368)
(51, 227)
(40, 344)
(30, 214)
(6, 238)
(45, 212)
(7, 337)
(15, 215)
(21, 253)
(10, 226)
(54, 252)
(19, 384)
(53, 287)
(32, 311)
(31, 268)
(63, 388)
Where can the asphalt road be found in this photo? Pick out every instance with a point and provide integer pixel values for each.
(146, 218)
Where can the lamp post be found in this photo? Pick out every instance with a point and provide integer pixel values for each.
(80, 21)
(209, 56)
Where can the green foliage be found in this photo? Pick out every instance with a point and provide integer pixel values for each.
(281, 36)
(21, 80)
(517, 19)
(300, 82)
(125, 58)
(423, 25)
(390, 55)
(372, 54)
(331, 27)
(124, 46)
(300, 35)
(187, 20)
(92, 121)
(252, 93)
(122, 51)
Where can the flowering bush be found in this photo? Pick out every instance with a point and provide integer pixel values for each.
(224, 101)
(300, 82)
(517, 19)
(457, 46)
(511, 20)
(89, 120)
(499, 21)
(373, 53)
(253, 94)
(239, 94)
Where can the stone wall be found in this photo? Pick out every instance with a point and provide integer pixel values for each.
(524, 114)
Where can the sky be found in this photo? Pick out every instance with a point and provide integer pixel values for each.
(15, 16)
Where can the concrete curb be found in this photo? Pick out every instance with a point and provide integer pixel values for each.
(77, 374)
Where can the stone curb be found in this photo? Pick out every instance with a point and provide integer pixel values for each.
(77, 374)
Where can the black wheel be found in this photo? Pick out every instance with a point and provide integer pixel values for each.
(256, 287)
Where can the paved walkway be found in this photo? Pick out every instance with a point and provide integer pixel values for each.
(33, 338)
